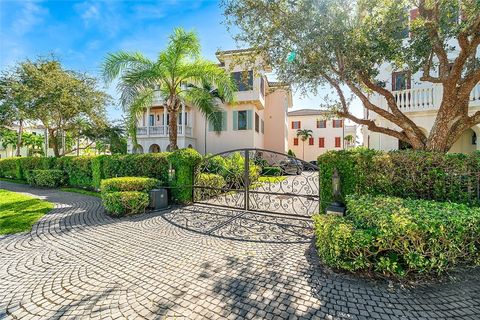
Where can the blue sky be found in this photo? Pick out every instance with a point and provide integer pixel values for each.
(80, 33)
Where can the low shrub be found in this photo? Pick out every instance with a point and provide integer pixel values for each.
(208, 180)
(398, 237)
(125, 202)
(27, 164)
(9, 168)
(46, 178)
(271, 171)
(129, 184)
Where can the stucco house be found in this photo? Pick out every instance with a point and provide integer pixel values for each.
(420, 102)
(328, 133)
(258, 119)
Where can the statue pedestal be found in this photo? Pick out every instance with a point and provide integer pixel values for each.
(336, 208)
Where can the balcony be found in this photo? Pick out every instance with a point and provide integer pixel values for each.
(162, 131)
(423, 99)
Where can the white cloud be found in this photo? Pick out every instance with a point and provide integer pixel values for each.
(31, 14)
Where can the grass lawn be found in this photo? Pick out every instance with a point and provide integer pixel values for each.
(19, 212)
(82, 191)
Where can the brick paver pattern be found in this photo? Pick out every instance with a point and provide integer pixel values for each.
(195, 263)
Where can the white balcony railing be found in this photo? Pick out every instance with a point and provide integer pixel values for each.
(162, 131)
(423, 99)
(415, 99)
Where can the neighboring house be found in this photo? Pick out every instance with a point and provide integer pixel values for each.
(420, 102)
(258, 119)
(327, 133)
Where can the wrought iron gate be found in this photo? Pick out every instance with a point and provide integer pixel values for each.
(258, 180)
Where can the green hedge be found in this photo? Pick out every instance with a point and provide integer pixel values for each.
(17, 167)
(46, 178)
(10, 168)
(416, 174)
(271, 171)
(183, 162)
(125, 202)
(208, 180)
(78, 170)
(129, 184)
(398, 237)
(152, 165)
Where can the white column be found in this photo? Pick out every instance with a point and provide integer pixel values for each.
(183, 118)
(148, 121)
(164, 120)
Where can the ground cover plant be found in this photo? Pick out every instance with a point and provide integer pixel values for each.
(399, 237)
(19, 212)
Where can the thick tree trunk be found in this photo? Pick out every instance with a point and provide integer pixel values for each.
(450, 111)
(19, 138)
(54, 141)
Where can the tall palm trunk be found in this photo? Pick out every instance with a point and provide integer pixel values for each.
(303, 152)
(172, 132)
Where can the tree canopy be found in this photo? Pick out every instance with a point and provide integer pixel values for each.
(344, 44)
(61, 100)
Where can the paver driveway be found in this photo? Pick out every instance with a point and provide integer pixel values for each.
(194, 262)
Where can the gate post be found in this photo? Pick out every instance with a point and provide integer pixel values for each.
(246, 179)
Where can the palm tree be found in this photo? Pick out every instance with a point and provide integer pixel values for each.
(304, 134)
(179, 74)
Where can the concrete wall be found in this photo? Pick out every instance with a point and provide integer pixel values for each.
(276, 133)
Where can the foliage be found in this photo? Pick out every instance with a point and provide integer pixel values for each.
(291, 153)
(46, 178)
(129, 184)
(210, 180)
(416, 174)
(26, 164)
(10, 168)
(19, 212)
(152, 165)
(179, 75)
(183, 162)
(125, 202)
(33, 142)
(271, 171)
(78, 170)
(62, 100)
(397, 237)
(344, 44)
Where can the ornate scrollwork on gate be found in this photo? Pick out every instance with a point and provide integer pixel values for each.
(258, 180)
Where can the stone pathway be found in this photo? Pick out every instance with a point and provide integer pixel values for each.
(194, 263)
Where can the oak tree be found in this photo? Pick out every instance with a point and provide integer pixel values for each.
(344, 44)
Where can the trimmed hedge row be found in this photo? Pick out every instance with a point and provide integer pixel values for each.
(88, 171)
(414, 174)
(46, 178)
(129, 184)
(398, 237)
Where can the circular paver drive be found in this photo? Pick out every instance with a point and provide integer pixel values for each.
(194, 263)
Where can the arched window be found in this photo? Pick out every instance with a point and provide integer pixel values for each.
(154, 148)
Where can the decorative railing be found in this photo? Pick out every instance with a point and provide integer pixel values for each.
(428, 98)
(162, 131)
(415, 99)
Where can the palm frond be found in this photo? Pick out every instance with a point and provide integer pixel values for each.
(115, 63)
(206, 104)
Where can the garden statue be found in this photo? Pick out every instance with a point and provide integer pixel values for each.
(337, 207)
